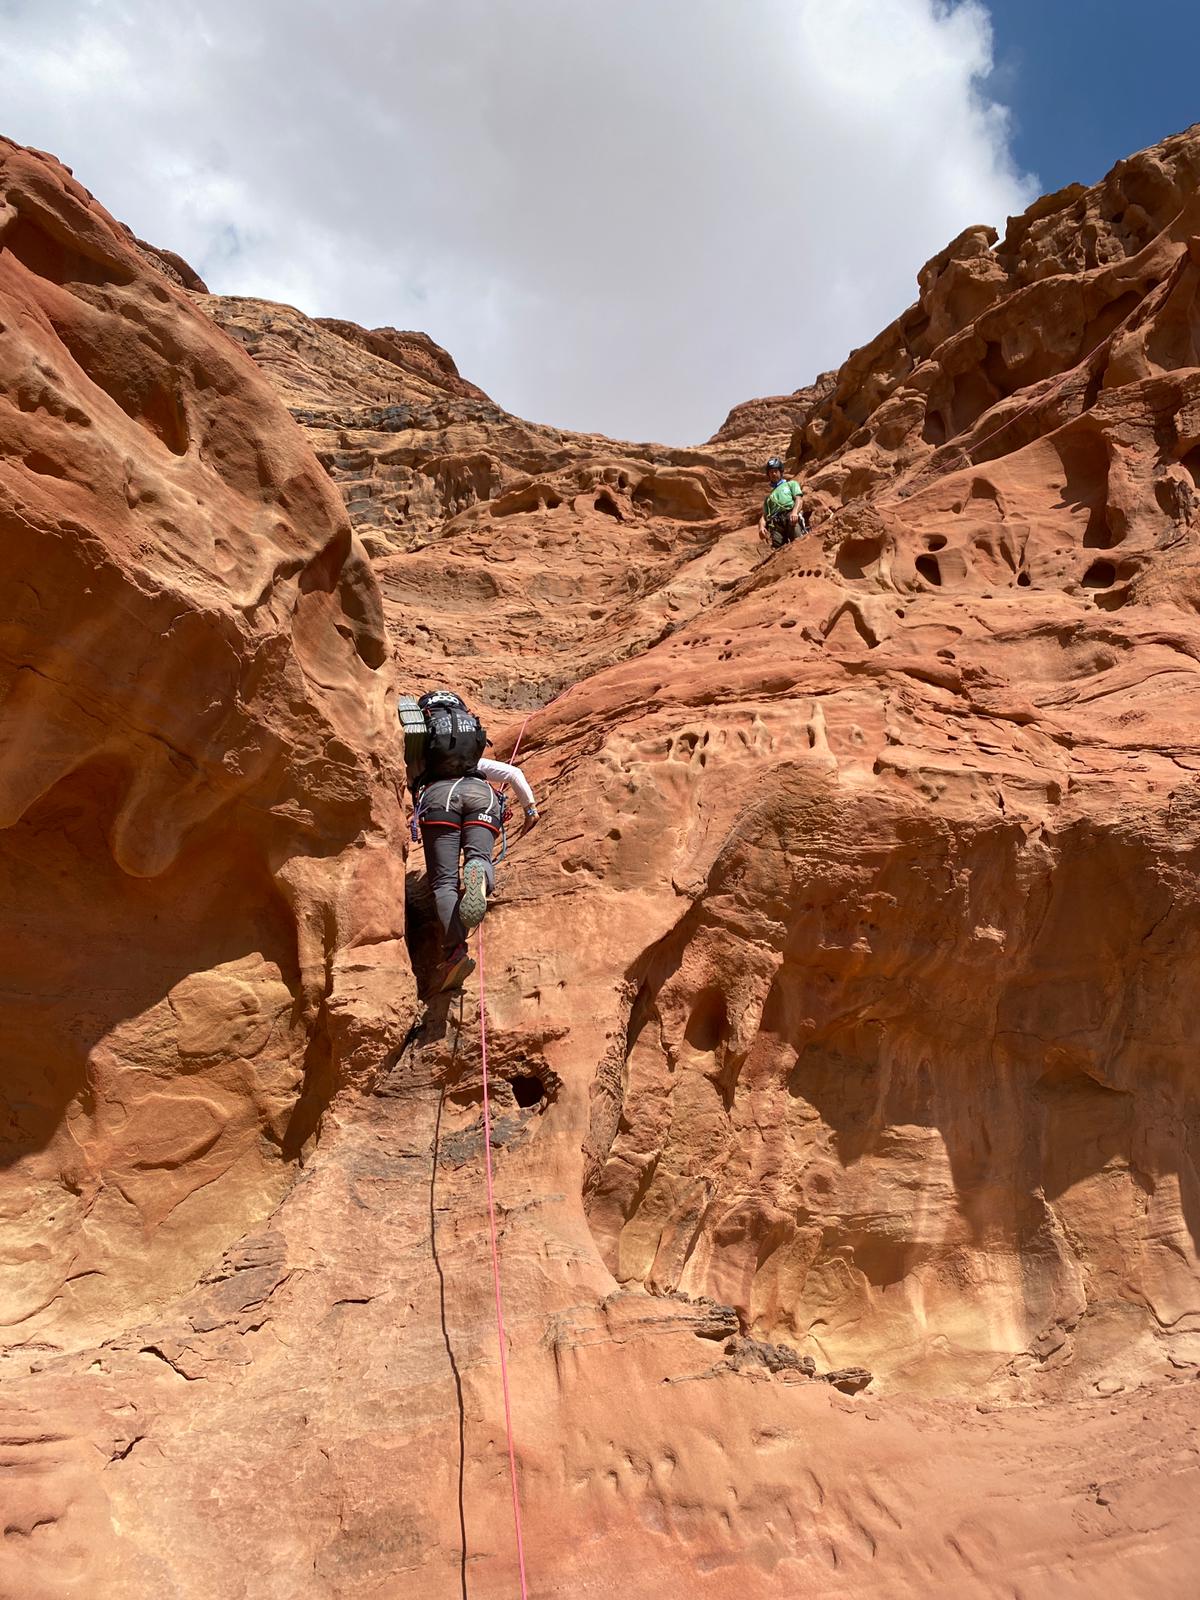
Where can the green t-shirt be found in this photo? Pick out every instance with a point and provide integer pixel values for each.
(786, 494)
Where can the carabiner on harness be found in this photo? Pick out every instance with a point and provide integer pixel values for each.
(414, 826)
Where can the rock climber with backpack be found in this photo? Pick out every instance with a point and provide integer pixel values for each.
(460, 811)
(782, 519)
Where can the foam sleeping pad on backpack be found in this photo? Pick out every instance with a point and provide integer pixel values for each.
(414, 731)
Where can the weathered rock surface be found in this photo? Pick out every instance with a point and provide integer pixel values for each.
(840, 1010)
(762, 421)
(198, 837)
(513, 556)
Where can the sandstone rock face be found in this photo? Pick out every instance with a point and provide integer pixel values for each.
(840, 1011)
(193, 744)
(511, 556)
(765, 419)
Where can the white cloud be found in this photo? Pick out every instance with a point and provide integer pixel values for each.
(625, 216)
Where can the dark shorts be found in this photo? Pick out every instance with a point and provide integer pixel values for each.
(782, 532)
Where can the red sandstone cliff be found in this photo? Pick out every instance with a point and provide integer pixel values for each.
(850, 973)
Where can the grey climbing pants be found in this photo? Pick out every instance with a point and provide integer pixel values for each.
(459, 816)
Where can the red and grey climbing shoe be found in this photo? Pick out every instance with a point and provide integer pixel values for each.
(453, 972)
(472, 908)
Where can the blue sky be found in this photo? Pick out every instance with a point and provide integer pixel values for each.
(1091, 81)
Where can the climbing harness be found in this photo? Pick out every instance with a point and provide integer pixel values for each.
(501, 1336)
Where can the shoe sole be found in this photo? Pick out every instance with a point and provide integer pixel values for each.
(457, 975)
(472, 908)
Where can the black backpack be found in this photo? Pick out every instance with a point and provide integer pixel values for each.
(455, 739)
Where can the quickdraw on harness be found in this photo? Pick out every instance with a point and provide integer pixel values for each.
(780, 523)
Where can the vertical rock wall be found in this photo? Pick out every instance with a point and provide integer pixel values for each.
(199, 852)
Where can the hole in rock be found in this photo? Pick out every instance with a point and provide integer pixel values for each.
(535, 496)
(605, 502)
(856, 555)
(44, 465)
(1023, 580)
(1099, 535)
(849, 628)
(1191, 463)
(1085, 460)
(56, 259)
(1100, 575)
(929, 569)
(974, 392)
(1166, 495)
(934, 431)
(161, 411)
(528, 1090)
(708, 1022)
(984, 489)
(1111, 317)
(936, 541)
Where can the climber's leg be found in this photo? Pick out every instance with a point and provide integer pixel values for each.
(479, 876)
(442, 843)
(482, 812)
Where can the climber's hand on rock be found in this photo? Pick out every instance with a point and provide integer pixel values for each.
(531, 818)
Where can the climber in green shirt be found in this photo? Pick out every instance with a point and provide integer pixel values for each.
(782, 519)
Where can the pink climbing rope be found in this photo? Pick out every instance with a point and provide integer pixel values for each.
(487, 1151)
(491, 1200)
(520, 736)
(554, 699)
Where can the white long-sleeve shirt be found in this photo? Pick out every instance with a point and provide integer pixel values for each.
(502, 772)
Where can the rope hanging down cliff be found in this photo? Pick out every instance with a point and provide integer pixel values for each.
(487, 1154)
(500, 1333)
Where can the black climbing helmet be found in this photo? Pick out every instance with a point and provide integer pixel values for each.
(774, 465)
